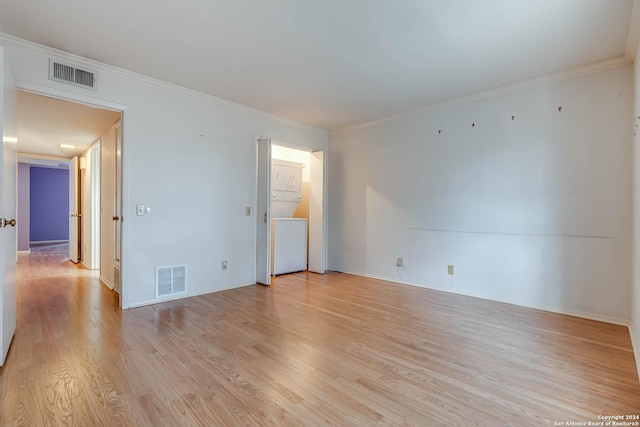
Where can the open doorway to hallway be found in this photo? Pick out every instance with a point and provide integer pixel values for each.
(68, 183)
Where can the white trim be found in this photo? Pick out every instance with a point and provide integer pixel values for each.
(558, 310)
(595, 67)
(634, 31)
(85, 265)
(27, 252)
(130, 75)
(254, 216)
(46, 242)
(95, 202)
(183, 295)
(65, 95)
(107, 283)
(635, 344)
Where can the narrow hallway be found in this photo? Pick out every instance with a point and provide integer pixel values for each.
(58, 356)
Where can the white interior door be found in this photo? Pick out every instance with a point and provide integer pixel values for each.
(73, 211)
(316, 212)
(263, 213)
(8, 171)
(95, 207)
(117, 202)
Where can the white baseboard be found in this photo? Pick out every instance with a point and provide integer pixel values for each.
(27, 252)
(558, 310)
(47, 242)
(107, 283)
(635, 343)
(181, 296)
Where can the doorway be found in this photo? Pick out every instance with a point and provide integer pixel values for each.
(88, 139)
(290, 217)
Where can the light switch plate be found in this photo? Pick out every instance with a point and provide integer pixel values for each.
(140, 210)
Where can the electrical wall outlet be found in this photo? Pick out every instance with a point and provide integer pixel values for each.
(399, 262)
(450, 270)
(224, 265)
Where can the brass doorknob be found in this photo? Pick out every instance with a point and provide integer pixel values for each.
(11, 222)
(115, 218)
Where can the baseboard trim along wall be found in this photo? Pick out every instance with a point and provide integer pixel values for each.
(175, 297)
(636, 347)
(107, 283)
(47, 242)
(585, 315)
(558, 310)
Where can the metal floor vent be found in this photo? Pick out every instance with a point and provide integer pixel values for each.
(69, 74)
(117, 284)
(170, 280)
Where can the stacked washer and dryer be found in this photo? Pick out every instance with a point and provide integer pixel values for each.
(288, 234)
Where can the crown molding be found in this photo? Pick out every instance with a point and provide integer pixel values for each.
(11, 41)
(596, 67)
(620, 61)
(634, 31)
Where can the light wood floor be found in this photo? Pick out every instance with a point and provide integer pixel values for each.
(309, 350)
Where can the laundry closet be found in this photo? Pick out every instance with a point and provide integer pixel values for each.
(290, 179)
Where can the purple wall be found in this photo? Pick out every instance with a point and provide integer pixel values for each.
(49, 204)
(23, 206)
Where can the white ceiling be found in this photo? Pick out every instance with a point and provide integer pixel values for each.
(44, 123)
(330, 63)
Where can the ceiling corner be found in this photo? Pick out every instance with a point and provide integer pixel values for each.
(634, 31)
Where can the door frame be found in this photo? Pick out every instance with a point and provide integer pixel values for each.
(75, 209)
(284, 143)
(263, 276)
(107, 105)
(96, 195)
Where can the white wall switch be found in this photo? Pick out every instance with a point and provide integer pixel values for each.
(140, 210)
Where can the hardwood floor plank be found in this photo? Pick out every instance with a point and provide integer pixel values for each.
(309, 350)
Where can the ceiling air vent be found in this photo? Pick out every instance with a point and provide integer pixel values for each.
(69, 74)
(171, 280)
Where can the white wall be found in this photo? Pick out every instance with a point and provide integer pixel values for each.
(635, 301)
(191, 159)
(534, 211)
